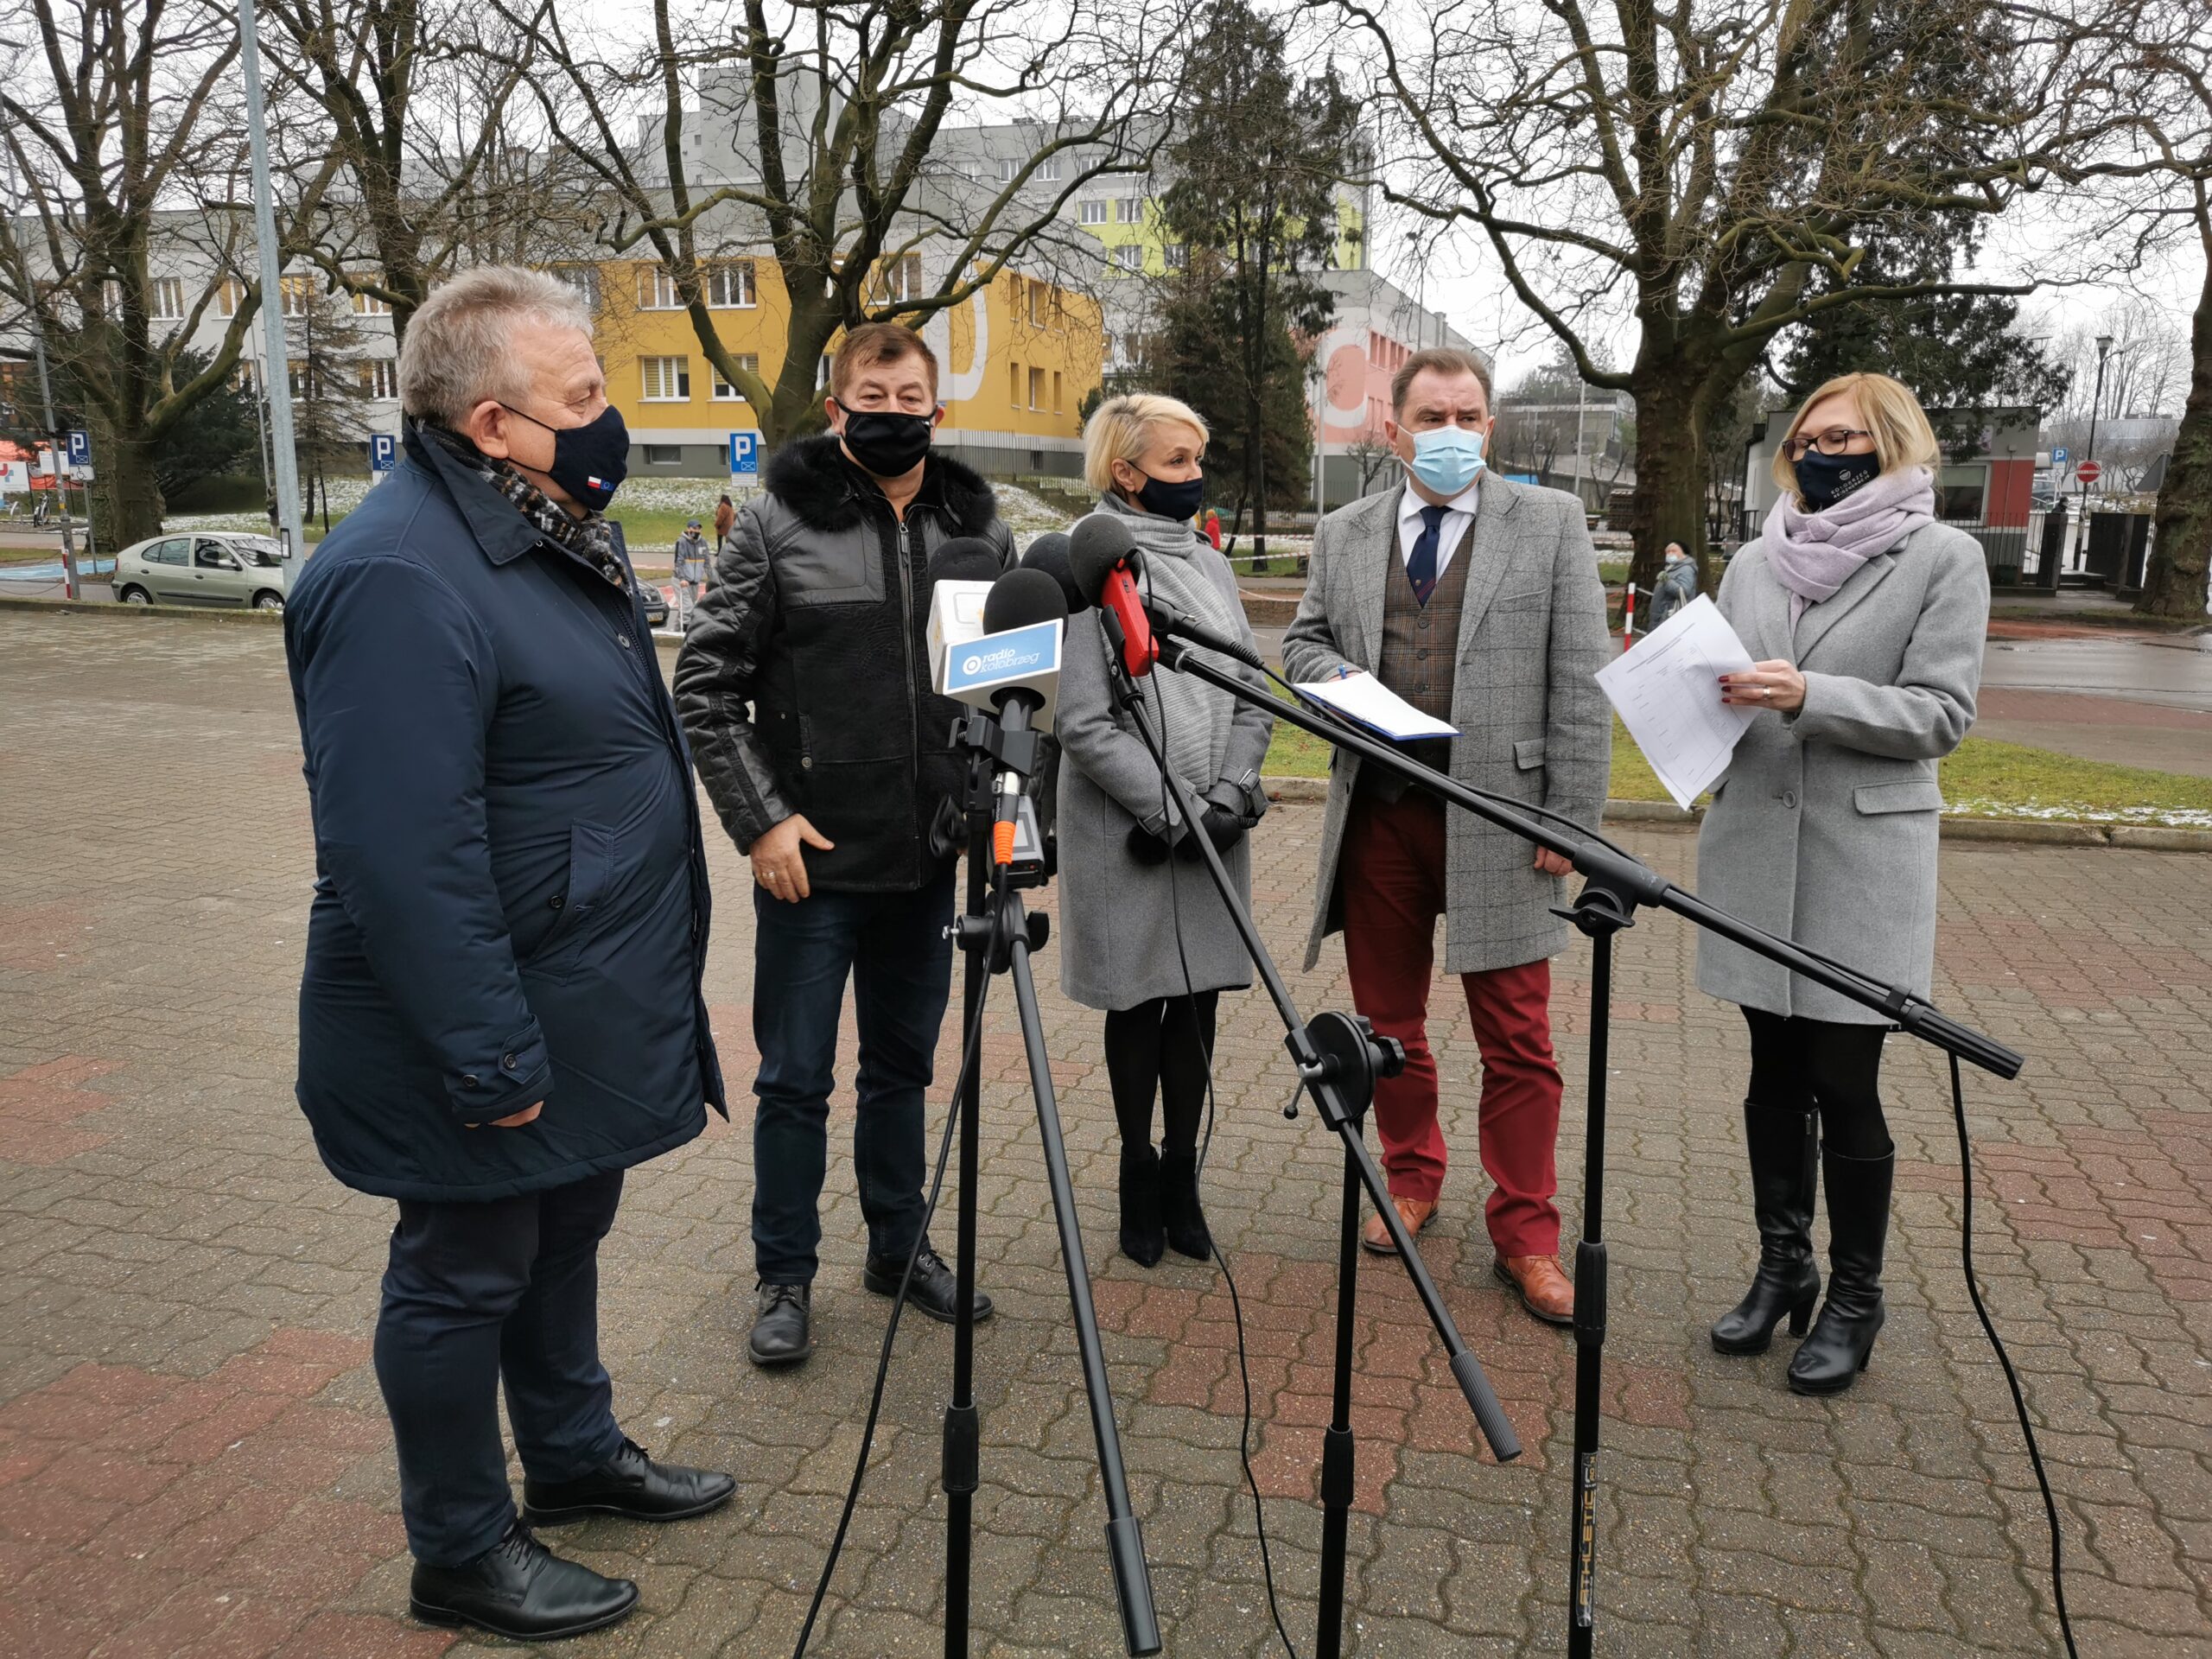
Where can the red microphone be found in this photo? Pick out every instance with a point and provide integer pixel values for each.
(1102, 556)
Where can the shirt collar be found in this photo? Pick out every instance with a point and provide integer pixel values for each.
(1409, 507)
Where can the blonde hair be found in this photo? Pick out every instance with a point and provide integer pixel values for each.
(1121, 428)
(1902, 436)
(460, 349)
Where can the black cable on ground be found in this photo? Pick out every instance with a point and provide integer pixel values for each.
(2011, 1378)
(971, 1046)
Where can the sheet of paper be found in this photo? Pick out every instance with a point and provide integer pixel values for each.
(1365, 699)
(1667, 688)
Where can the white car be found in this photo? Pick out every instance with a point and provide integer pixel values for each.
(207, 567)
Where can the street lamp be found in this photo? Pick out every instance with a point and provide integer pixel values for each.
(2097, 399)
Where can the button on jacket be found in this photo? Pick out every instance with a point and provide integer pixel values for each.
(511, 896)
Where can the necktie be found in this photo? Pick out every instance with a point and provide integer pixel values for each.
(1420, 569)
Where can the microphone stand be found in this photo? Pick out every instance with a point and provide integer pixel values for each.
(998, 937)
(1615, 884)
(1338, 1058)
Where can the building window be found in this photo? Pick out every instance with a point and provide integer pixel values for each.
(166, 296)
(823, 370)
(663, 455)
(1037, 389)
(1128, 210)
(582, 278)
(1176, 255)
(900, 279)
(228, 294)
(1106, 351)
(667, 379)
(243, 377)
(380, 378)
(299, 295)
(1040, 303)
(727, 393)
(1092, 212)
(1056, 392)
(1130, 256)
(370, 305)
(300, 378)
(656, 291)
(1009, 168)
(1013, 386)
(730, 287)
(1049, 169)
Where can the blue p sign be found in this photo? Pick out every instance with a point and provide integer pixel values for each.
(2058, 457)
(745, 455)
(80, 449)
(384, 452)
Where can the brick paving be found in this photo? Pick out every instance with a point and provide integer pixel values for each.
(196, 1461)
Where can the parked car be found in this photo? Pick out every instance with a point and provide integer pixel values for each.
(208, 567)
(656, 603)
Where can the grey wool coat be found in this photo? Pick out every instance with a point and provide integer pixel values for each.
(1118, 917)
(1533, 725)
(1823, 829)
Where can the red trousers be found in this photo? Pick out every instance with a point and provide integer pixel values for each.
(1391, 875)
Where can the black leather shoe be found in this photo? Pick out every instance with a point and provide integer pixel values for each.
(1785, 1150)
(520, 1590)
(934, 1291)
(629, 1483)
(783, 1329)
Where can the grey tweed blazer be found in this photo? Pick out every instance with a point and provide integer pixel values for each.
(1534, 726)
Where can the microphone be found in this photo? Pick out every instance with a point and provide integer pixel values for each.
(965, 558)
(1022, 603)
(960, 573)
(1049, 553)
(1101, 553)
(1166, 618)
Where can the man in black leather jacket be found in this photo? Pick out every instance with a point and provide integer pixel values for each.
(804, 689)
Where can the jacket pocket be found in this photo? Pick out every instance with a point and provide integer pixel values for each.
(1528, 753)
(1906, 795)
(1527, 600)
(591, 874)
(832, 568)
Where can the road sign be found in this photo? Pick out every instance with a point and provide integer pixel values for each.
(15, 476)
(2060, 456)
(2089, 471)
(745, 455)
(80, 449)
(384, 452)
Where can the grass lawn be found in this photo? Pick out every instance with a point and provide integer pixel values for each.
(1984, 779)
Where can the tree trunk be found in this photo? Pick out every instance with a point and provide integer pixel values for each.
(1668, 504)
(2180, 554)
(126, 503)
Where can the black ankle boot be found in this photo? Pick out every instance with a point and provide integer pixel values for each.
(1143, 1237)
(1179, 1204)
(1783, 1147)
(1829, 1360)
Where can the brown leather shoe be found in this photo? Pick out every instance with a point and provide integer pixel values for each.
(1546, 1292)
(1415, 1212)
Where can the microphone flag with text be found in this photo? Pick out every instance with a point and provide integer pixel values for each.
(1012, 669)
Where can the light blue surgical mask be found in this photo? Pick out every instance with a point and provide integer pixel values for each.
(1447, 459)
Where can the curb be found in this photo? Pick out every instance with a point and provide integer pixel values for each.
(108, 608)
(2025, 832)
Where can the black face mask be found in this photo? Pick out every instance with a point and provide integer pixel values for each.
(1176, 499)
(1823, 480)
(591, 461)
(887, 442)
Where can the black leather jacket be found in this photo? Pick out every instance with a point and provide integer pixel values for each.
(805, 684)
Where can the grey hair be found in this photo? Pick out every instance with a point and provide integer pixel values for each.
(459, 346)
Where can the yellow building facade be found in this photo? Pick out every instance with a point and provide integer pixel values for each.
(1015, 361)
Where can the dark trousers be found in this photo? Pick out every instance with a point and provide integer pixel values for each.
(1162, 1048)
(894, 948)
(1819, 1066)
(475, 1296)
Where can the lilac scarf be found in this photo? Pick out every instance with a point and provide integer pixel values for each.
(1812, 554)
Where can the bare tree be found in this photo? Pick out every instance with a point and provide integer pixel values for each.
(1712, 170)
(121, 131)
(840, 114)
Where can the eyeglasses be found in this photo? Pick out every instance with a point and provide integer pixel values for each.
(1833, 441)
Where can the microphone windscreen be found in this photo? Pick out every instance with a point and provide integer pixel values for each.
(1099, 543)
(965, 558)
(1021, 598)
(1049, 553)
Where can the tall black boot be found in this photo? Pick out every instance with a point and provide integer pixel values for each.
(1143, 1240)
(1829, 1360)
(1178, 1204)
(1785, 1146)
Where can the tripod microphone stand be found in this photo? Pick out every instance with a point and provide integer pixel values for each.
(998, 936)
(1615, 884)
(1338, 1058)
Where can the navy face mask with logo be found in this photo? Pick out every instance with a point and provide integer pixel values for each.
(1823, 480)
(591, 461)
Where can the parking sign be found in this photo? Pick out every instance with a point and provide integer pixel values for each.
(384, 452)
(2058, 457)
(80, 449)
(745, 455)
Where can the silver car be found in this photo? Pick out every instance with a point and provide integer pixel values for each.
(208, 567)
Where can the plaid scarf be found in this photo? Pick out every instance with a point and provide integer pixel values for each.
(587, 540)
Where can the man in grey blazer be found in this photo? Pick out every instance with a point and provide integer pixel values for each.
(1478, 602)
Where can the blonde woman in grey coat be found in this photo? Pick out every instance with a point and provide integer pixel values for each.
(1869, 617)
(1144, 935)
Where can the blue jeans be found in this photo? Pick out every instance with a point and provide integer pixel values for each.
(894, 948)
(476, 1296)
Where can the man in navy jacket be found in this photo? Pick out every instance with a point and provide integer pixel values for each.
(501, 1010)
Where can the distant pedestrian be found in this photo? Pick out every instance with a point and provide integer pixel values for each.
(1676, 587)
(1824, 831)
(725, 517)
(1213, 529)
(691, 556)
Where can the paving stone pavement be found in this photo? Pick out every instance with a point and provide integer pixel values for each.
(197, 1463)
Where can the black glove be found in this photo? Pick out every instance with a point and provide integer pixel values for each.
(1223, 828)
(1145, 847)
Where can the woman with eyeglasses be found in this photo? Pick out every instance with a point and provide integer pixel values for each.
(1867, 618)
